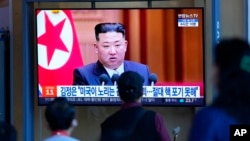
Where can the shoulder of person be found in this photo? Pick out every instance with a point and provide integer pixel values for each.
(87, 67)
(211, 114)
(150, 113)
(134, 63)
(207, 112)
(61, 138)
(210, 123)
(109, 119)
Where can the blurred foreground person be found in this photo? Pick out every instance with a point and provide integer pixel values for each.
(132, 122)
(231, 105)
(60, 116)
(7, 132)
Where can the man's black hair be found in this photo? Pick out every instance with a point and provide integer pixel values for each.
(59, 114)
(232, 58)
(109, 27)
(130, 86)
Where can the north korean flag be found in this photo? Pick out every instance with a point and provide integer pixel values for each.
(58, 48)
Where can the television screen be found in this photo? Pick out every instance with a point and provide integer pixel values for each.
(168, 41)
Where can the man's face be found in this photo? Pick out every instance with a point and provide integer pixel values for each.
(111, 49)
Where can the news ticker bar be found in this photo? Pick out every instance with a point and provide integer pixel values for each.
(111, 91)
(117, 101)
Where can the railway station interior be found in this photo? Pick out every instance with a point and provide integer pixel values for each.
(18, 83)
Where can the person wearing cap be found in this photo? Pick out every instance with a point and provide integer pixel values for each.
(132, 122)
(111, 47)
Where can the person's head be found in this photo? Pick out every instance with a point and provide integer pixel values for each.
(60, 114)
(7, 132)
(111, 44)
(230, 56)
(232, 60)
(130, 86)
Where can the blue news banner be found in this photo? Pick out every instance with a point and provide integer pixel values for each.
(108, 95)
(186, 22)
(240, 132)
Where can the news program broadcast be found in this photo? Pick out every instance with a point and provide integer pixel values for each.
(82, 52)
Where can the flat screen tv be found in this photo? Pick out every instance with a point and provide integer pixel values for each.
(169, 40)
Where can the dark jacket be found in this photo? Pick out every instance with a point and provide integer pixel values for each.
(120, 123)
(89, 74)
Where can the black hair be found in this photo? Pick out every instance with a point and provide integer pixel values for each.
(232, 57)
(59, 114)
(109, 27)
(7, 132)
(130, 86)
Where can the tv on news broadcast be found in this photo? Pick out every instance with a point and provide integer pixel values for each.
(170, 41)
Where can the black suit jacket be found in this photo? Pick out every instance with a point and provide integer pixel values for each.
(89, 74)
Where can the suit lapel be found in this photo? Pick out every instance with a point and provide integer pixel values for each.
(98, 70)
(126, 66)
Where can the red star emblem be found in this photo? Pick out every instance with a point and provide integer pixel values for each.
(51, 38)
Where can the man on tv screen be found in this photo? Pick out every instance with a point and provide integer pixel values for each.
(111, 47)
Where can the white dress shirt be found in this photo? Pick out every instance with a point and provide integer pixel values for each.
(118, 71)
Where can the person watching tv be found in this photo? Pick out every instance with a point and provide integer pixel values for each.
(231, 78)
(132, 122)
(111, 47)
(7, 132)
(60, 116)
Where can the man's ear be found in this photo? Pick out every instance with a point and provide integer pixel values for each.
(126, 44)
(74, 123)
